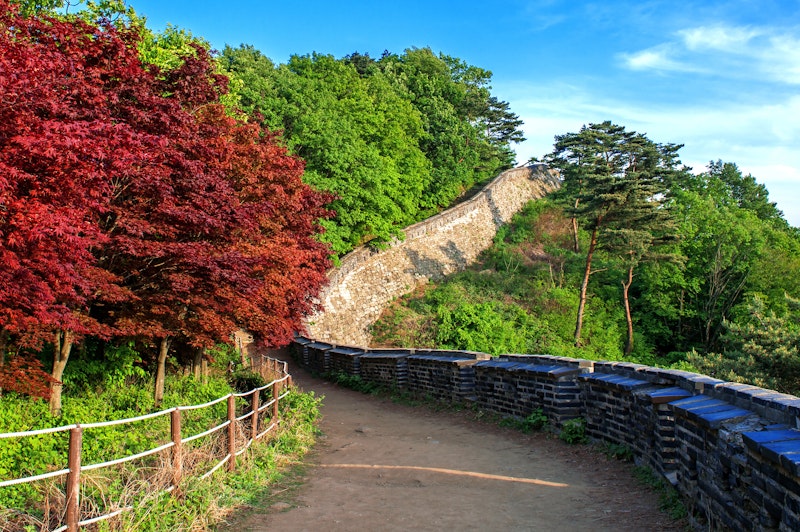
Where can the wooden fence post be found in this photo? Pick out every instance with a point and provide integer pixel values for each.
(254, 419)
(276, 391)
(231, 433)
(74, 479)
(177, 448)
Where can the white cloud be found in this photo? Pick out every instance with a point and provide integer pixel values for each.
(720, 38)
(771, 54)
(659, 57)
(761, 139)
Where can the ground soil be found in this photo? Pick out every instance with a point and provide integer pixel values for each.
(380, 465)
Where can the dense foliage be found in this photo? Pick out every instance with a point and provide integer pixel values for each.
(395, 139)
(715, 290)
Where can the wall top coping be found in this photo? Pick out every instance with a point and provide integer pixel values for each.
(783, 406)
(461, 361)
(667, 395)
(710, 412)
(620, 382)
(782, 446)
(385, 354)
(347, 350)
(321, 346)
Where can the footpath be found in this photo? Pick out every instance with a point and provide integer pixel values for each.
(390, 467)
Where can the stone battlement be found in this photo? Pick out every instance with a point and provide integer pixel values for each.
(367, 280)
(732, 450)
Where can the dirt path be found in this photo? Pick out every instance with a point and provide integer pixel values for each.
(384, 466)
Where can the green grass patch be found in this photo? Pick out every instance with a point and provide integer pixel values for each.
(669, 500)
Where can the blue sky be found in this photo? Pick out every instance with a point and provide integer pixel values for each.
(720, 77)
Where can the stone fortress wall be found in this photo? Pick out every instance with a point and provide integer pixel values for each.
(368, 280)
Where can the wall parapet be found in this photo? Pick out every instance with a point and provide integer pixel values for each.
(367, 280)
(732, 450)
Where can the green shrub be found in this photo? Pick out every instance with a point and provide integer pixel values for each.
(535, 421)
(669, 500)
(244, 380)
(354, 382)
(618, 451)
(574, 431)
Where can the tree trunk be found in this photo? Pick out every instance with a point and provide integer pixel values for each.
(625, 287)
(585, 285)
(61, 351)
(161, 369)
(197, 363)
(3, 346)
(576, 244)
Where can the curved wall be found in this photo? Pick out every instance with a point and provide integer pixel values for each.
(732, 450)
(368, 280)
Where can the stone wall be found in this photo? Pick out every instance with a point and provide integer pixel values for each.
(732, 450)
(368, 280)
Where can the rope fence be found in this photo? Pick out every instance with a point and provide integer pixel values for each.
(249, 425)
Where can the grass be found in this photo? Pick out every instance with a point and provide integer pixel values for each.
(669, 500)
(274, 464)
(206, 503)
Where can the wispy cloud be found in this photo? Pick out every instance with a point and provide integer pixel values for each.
(662, 57)
(760, 137)
(726, 39)
(773, 54)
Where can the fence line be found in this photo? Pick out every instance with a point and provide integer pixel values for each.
(176, 443)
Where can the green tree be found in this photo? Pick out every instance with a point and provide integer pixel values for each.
(723, 242)
(764, 349)
(619, 179)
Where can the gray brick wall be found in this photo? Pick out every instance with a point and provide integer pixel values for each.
(732, 450)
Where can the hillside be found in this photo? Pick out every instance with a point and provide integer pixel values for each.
(717, 298)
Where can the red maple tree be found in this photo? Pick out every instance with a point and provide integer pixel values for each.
(132, 204)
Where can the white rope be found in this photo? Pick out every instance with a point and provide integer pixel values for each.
(33, 478)
(215, 467)
(38, 431)
(271, 426)
(206, 433)
(104, 517)
(195, 407)
(243, 449)
(128, 458)
(127, 420)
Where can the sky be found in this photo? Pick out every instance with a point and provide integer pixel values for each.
(720, 77)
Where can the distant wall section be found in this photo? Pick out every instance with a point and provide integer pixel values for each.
(368, 280)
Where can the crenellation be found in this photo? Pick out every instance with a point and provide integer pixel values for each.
(732, 451)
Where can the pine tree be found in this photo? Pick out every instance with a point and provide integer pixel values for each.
(618, 179)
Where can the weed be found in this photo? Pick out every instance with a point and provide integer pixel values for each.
(618, 451)
(354, 382)
(535, 421)
(669, 500)
(574, 431)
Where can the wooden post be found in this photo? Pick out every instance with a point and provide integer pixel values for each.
(254, 419)
(276, 391)
(74, 479)
(177, 448)
(231, 433)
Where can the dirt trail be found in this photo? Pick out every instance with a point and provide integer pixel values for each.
(384, 466)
